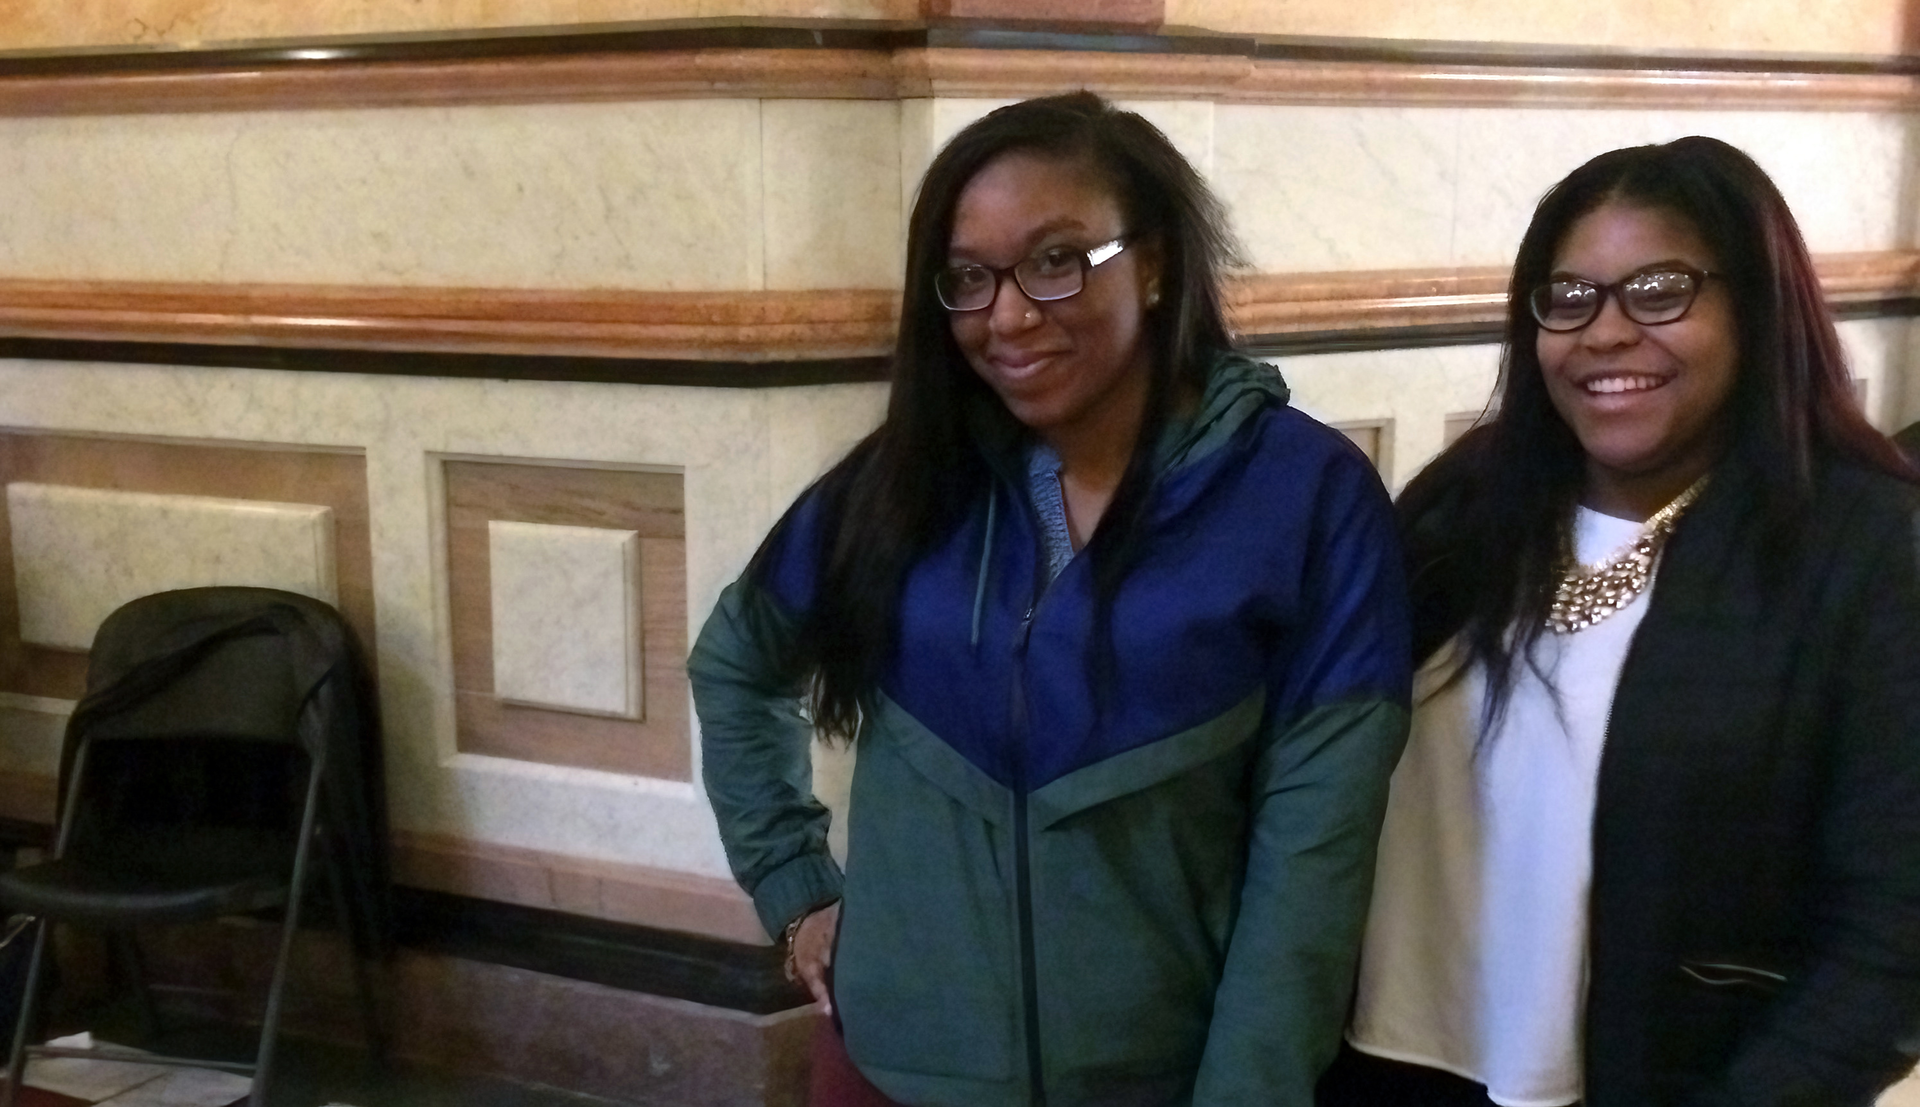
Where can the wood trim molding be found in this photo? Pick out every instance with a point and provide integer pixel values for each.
(1237, 76)
(745, 337)
(1278, 304)
(750, 326)
(1242, 80)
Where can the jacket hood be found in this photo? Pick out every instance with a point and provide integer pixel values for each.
(1237, 388)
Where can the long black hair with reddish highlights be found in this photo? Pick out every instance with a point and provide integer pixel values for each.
(1502, 493)
(911, 482)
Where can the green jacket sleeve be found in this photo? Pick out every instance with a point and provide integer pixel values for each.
(754, 757)
(1338, 716)
(1320, 795)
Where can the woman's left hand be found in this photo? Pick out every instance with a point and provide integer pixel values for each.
(812, 953)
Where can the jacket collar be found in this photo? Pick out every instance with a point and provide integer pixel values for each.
(1237, 388)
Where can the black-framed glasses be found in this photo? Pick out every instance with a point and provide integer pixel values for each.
(1658, 294)
(1054, 273)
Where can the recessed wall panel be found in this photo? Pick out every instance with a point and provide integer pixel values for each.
(79, 553)
(561, 519)
(565, 617)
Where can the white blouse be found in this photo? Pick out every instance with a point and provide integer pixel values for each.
(1475, 955)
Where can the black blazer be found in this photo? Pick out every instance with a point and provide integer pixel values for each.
(1755, 909)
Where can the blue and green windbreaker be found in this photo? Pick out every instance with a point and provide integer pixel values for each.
(1156, 900)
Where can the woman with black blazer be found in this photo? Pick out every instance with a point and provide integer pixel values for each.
(1655, 841)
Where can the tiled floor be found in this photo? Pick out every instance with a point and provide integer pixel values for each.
(315, 1074)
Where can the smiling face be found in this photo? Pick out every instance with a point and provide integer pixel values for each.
(1075, 371)
(1648, 403)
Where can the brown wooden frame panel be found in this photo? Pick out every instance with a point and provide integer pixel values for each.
(290, 474)
(659, 743)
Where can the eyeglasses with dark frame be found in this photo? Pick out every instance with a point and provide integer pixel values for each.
(1054, 273)
(1658, 294)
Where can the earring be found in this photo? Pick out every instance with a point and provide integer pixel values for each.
(1153, 294)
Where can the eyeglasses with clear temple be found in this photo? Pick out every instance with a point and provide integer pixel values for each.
(1658, 294)
(1054, 273)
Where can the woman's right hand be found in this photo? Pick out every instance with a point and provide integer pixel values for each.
(812, 953)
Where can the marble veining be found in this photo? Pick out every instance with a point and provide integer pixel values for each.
(656, 195)
(79, 553)
(1754, 26)
(833, 215)
(1314, 189)
(565, 608)
(1510, 157)
(742, 195)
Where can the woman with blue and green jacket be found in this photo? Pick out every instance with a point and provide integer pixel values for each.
(1121, 639)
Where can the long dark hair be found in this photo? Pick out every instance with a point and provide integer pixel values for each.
(1503, 491)
(912, 481)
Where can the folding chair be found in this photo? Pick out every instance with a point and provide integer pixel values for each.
(224, 738)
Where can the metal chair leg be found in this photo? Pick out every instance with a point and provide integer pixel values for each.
(127, 944)
(350, 930)
(29, 1011)
(270, 1024)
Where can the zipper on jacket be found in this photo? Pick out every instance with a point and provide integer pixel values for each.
(1022, 867)
(1022, 870)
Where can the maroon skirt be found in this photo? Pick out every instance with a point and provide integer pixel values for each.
(835, 1082)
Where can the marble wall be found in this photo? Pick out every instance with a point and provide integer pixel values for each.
(713, 194)
(1750, 26)
(742, 454)
(730, 195)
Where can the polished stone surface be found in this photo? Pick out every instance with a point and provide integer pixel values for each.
(79, 553)
(566, 629)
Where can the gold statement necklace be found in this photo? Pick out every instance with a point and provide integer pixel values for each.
(1589, 595)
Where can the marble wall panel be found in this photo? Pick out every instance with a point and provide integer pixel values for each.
(1884, 355)
(1713, 26)
(814, 194)
(833, 213)
(587, 608)
(79, 553)
(723, 443)
(50, 24)
(1771, 26)
(173, 469)
(1508, 158)
(1313, 189)
(1422, 398)
(566, 616)
(1409, 392)
(660, 195)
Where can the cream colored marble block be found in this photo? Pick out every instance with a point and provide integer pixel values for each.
(833, 214)
(1330, 188)
(565, 617)
(79, 553)
(1696, 26)
(1847, 176)
(1315, 189)
(48, 24)
(656, 195)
